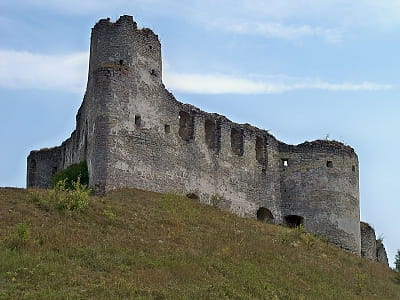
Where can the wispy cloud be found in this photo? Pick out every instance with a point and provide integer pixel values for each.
(279, 30)
(68, 73)
(329, 20)
(37, 71)
(223, 84)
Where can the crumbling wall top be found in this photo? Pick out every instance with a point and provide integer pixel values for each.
(329, 146)
(125, 19)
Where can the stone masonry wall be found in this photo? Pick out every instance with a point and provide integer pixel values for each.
(368, 241)
(381, 255)
(133, 133)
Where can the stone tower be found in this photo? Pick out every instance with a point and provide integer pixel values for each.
(132, 132)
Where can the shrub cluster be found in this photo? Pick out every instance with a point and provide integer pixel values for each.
(70, 175)
(70, 199)
(70, 190)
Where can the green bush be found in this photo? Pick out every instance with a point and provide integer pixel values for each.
(62, 198)
(71, 174)
(70, 199)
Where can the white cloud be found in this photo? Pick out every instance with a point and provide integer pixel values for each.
(329, 20)
(38, 71)
(69, 73)
(223, 84)
(278, 30)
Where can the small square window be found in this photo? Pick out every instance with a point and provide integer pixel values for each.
(167, 128)
(285, 162)
(329, 164)
(138, 120)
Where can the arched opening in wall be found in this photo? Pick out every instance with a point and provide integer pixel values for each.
(260, 155)
(185, 126)
(210, 133)
(237, 141)
(265, 215)
(294, 221)
(192, 196)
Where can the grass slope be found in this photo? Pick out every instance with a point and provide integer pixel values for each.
(133, 244)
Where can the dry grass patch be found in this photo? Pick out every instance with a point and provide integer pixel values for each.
(133, 244)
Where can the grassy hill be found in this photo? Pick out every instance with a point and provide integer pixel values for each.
(133, 244)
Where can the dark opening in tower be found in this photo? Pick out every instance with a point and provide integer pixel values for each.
(265, 215)
(294, 221)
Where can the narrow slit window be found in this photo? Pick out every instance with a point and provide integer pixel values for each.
(138, 120)
(167, 128)
(353, 168)
(285, 162)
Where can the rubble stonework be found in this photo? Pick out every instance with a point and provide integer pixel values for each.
(381, 255)
(372, 248)
(132, 132)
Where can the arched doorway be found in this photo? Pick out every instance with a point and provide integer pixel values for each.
(265, 215)
(294, 221)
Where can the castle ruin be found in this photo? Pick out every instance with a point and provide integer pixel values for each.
(132, 132)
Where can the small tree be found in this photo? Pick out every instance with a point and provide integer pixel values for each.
(397, 261)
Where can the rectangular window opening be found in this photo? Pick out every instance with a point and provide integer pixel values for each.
(285, 162)
(329, 164)
(138, 120)
(167, 128)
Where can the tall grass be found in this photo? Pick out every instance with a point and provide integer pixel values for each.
(140, 245)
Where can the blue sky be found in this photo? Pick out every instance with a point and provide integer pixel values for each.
(304, 70)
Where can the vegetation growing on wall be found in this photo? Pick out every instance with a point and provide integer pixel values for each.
(71, 175)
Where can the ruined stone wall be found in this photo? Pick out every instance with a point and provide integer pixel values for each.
(133, 133)
(372, 248)
(368, 241)
(381, 255)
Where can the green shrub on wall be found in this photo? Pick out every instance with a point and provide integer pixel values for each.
(71, 174)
